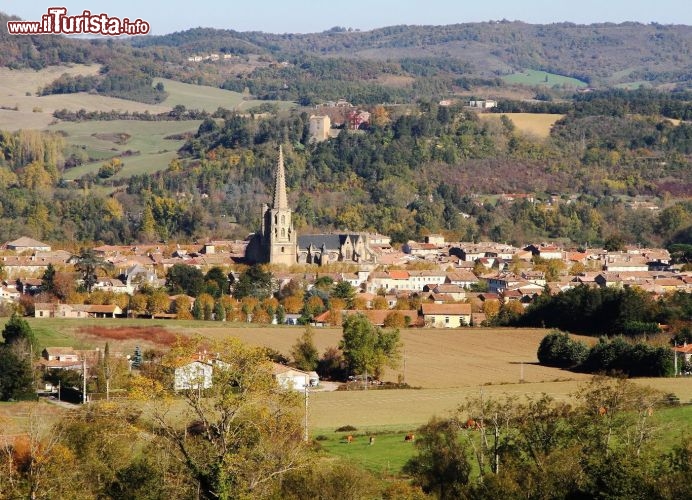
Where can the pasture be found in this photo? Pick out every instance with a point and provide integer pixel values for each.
(389, 452)
(146, 137)
(542, 78)
(536, 124)
(209, 98)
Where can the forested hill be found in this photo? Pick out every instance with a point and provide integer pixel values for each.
(431, 60)
(598, 54)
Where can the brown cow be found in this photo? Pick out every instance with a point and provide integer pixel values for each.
(349, 439)
(410, 437)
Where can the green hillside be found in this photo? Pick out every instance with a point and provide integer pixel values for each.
(208, 98)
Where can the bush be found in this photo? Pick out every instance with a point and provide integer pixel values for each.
(346, 428)
(557, 349)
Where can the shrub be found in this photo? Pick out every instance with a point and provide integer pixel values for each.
(557, 349)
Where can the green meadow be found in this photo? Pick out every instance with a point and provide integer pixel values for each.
(535, 77)
(209, 98)
(147, 139)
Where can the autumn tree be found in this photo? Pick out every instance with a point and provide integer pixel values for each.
(240, 438)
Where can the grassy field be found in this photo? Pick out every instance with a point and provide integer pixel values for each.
(209, 98)
(389, 452)
(534, 77)
(146, 137)
(536, 124)
(34, 112)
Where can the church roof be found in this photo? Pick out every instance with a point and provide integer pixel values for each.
(330, 241)
(280, 198)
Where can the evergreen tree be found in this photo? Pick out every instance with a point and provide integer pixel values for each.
(197, 310)
(219, 311)
(17, 330)
(137, 358)
(16, 378)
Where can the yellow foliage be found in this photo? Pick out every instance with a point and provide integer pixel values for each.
(145, 389)
(113, 208)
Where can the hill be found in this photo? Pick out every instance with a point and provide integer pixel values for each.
(599, 54)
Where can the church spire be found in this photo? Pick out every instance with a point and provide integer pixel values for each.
(280, 198)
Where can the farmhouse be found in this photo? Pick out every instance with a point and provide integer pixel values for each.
(50, 310)
(446, 315)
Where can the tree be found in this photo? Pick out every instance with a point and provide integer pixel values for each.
(157, 302)
(17, 330)
(181, 307)
(344, 290)
(16, 377)
(368, 348)
(240, 438)
(137, 357)
(219, 311)
(182, 278)
(216, 282)
(88, 264)
(48, 280)
(304, 352)
(441, 466)
(254, 282)
(558, 349)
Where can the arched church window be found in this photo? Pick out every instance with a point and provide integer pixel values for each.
(283, 232)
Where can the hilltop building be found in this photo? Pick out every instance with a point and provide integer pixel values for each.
(319, 128)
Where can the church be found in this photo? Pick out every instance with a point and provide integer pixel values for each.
(278, 243)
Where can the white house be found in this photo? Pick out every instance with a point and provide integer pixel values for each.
(293, 378)
(195, 374)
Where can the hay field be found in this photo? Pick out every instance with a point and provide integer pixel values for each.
(37, 112)
(536, 124)
(450, 365)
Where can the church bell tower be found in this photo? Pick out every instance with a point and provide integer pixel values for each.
(279, 237)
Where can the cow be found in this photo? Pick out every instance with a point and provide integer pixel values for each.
(409, 437)
(349, 438)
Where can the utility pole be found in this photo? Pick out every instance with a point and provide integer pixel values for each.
(84, 376)
(675, 359)
(307, 434)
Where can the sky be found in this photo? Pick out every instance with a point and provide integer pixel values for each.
(309, 16)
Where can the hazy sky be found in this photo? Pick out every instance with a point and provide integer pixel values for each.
(305, 16)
